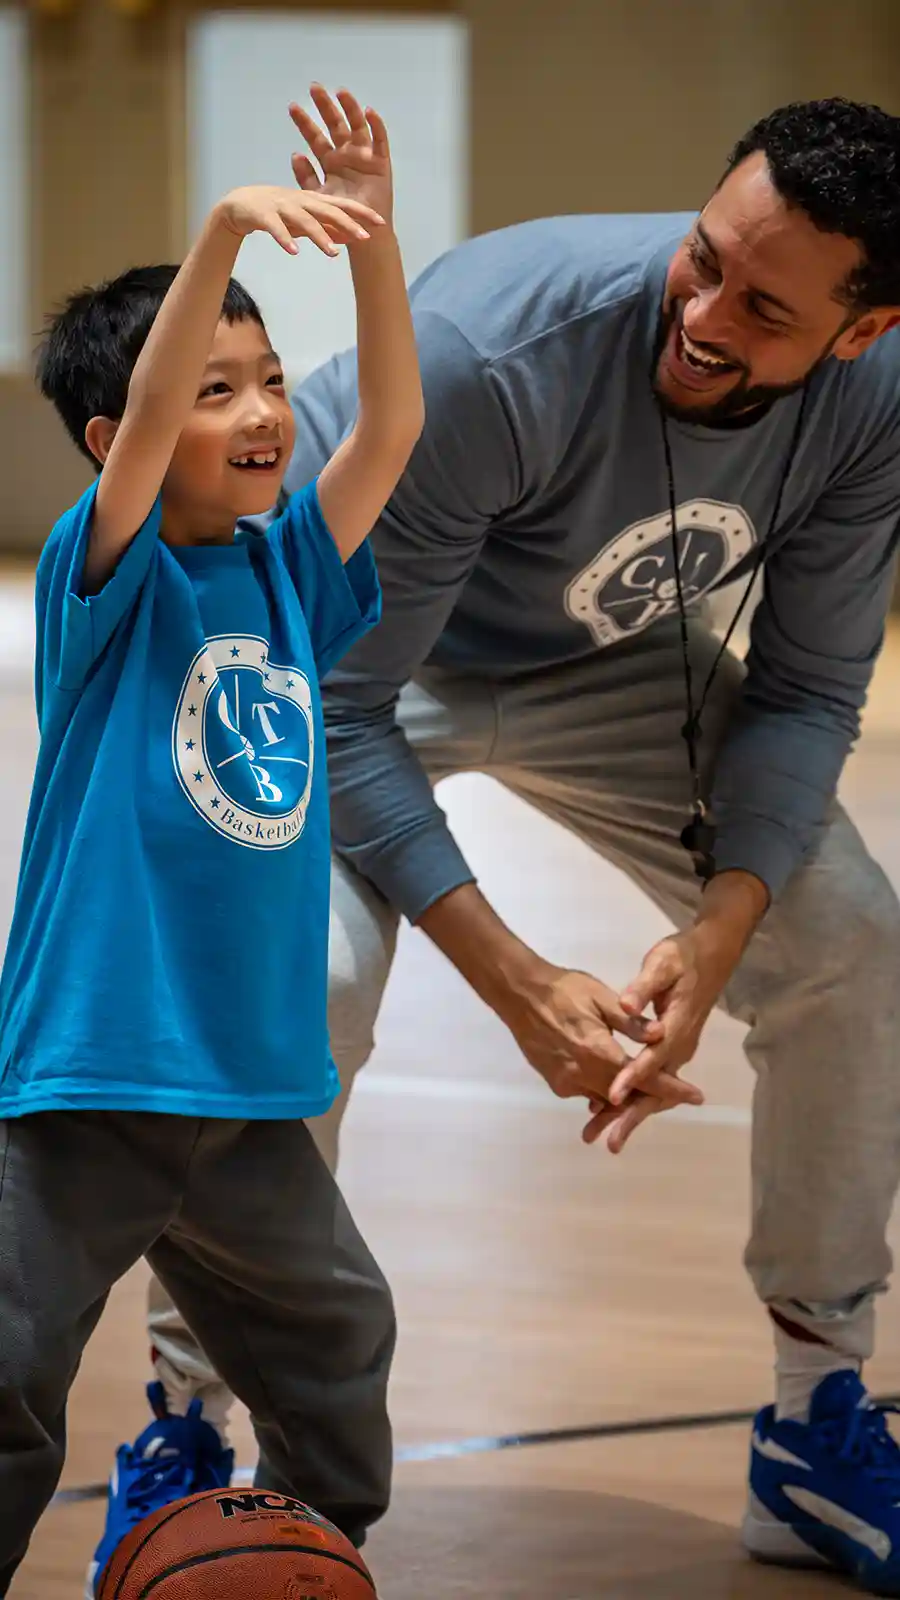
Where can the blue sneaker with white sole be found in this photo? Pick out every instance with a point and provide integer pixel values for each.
(828, 1491)
(172, 1458)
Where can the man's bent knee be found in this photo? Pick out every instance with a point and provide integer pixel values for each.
(839, 913)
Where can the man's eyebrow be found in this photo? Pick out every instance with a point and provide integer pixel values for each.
(758, 294)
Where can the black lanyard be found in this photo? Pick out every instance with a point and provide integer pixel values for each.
(699, 835)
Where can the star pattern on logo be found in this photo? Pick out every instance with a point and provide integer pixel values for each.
(201, 677)
(198, 777)
(214, 802)
(262, 659)
(192, 711)
(234, 650)
(188, 744)
(290, 683)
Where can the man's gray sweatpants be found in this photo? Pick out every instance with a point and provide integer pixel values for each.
(596, 747)
(244, 1224)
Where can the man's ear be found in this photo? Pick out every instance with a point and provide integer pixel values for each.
(863, 333)
(99, 435)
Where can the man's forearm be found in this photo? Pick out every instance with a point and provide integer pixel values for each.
(730, 911)
(498, 965)
(493, 961)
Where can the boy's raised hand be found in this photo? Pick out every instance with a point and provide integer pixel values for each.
(325, 220)
(352, 151)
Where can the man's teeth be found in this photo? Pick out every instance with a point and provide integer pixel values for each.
(267, 460)
(700, 358)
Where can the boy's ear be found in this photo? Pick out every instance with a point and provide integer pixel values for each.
(99, 435)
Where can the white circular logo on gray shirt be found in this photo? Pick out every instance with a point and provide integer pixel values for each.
(631, 582)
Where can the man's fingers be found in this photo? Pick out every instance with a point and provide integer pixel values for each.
(671, 1090)
(600, 1120)
(600, 1066)
(586, 1066)
(666, 1087)
(657, 1061)
(627, 1122)
(618, 1124)
(640, 1070)
(661, 968)
(640, 1030)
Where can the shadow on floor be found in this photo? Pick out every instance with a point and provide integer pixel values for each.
(528, 1544)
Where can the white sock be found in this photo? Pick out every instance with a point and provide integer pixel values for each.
(799, 1369)
(217, 1403)
(180, 1390)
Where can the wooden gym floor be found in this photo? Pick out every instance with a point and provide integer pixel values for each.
(540, 1286)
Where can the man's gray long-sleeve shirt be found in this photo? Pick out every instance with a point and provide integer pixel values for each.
(531, 529)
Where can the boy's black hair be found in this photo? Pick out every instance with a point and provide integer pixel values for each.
(839, 161)
(89, 349)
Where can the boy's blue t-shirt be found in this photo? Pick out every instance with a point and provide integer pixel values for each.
(169, 945)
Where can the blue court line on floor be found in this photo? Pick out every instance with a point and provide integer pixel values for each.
(490, 1443)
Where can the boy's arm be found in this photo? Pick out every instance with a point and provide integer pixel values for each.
(168, 372)
(361, 476)
(161, 394)
(355, 160)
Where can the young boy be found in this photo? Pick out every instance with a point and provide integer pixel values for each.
(162, 1010)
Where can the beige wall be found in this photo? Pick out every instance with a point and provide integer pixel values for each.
(632, 104)
(106, 193)
(577, 104)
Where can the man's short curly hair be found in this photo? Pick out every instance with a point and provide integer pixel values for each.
(839, 162)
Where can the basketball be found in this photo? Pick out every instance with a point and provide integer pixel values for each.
(236, 1544)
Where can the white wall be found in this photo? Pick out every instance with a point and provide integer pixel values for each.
(14, 340)
(243, 70)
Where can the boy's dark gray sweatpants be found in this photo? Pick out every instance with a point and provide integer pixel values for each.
(244, 1225)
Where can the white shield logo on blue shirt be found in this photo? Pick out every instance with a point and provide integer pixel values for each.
(242, 742)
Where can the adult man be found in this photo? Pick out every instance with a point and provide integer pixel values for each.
(587, 381)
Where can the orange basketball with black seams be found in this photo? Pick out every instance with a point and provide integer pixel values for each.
(236, 1544)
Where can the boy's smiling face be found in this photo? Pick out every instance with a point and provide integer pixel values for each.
(233, 452)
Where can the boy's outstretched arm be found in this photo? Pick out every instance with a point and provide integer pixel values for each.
(362, 474)
(168, 372)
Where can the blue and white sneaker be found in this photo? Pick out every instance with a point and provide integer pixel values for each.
(172, 1458)
(828, 1491)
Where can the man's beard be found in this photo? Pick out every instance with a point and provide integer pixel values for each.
(746, 401)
